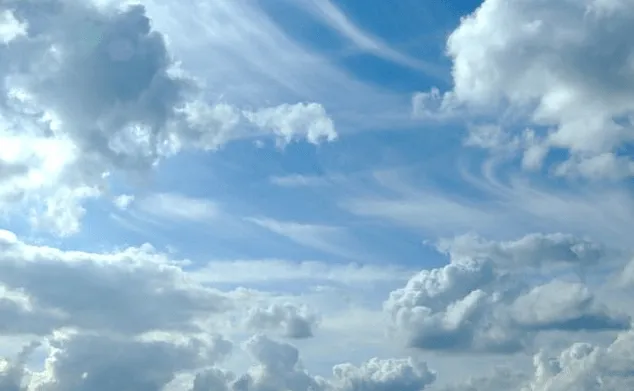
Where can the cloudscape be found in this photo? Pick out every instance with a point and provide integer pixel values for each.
(316, 195)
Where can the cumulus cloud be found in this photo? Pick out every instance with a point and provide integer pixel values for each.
(79, 362)
(92, 90)
(132, 291)
(278, 367)
(133, 319)
(383, 375)
(560, 305)
(558, 65)
(305, 120)
(533, 250)
(475, 303)
(293, 321)
(581, 366)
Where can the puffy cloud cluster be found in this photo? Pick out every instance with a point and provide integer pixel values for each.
(135, 320)
(532, 251)
(129, 292)
(89, 90)
(127, 320)
(278, 367)
(293, 321)
(580, 367)
(486, 300)
(565, 66)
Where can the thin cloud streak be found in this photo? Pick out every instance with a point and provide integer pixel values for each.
(337, 19)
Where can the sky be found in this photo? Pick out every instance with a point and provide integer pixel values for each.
(316, 195)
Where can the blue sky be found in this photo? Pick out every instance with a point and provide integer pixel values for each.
(316, 195)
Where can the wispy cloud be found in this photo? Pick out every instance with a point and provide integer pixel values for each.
(329, 239)
(298, 180)
(329, 13)
(178, 207)
(502, 208)
(274, 270)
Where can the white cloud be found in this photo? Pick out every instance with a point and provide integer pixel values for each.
(293, 321)
(133, 319)
(301, 120)
(132, 291)
(123, 201)
(392, 374)
(93, 95)
(178, 207)
(504, 207)
(137, 107)
(557, 64)
(333, 16)
(582, 366)
(330, 239)
(278, 366)
(10, 27)
(472, 304)
(533, 250)
(434, 105)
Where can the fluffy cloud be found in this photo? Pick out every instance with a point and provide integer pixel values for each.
(78, 362)
(558, 64)
(293, 321)
(133, 319)
(133, 291)
(481, 301)
(92, 90)
(384, 375)
(580, 367)
(303, 120)
(533, 250)
(278, 367)
(559, 305)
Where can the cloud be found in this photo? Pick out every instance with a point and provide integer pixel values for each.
(10, 27)
(278, 366)
(257, 62)
(562, 305)
(326, 238)
(335, 18)
(297, 180)
(134, 319)
(295, 322)
(133, 291)
(532, 250)
(557, 67)
(308, 121)
(581, 366)
(178, 207)
(123, 201)
(391, 374)
(471, 304)
(501, 379)
(495, 202)
(137, 107)
(72, 364)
